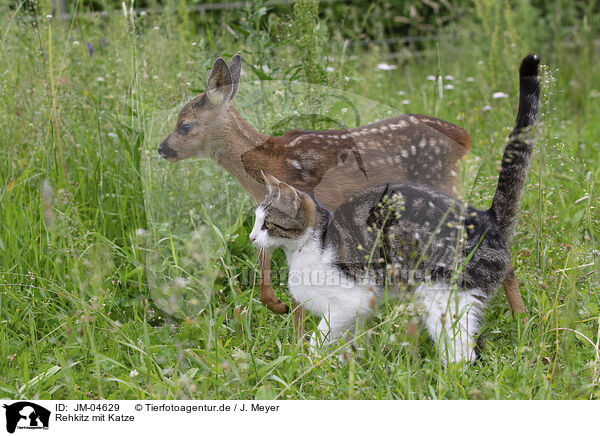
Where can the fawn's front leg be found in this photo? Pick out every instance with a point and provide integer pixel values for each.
(267, 296)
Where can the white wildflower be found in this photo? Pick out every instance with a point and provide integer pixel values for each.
(405, 102)
(180, 282)
(449, 77)
(386, 67)
(470, 79)
(449, 86)
(497, 95)
(486, 108)
(113, 135)
(133, 373)
(431, 78)
(330, 69)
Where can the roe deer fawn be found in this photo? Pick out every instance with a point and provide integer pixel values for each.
(332, 165)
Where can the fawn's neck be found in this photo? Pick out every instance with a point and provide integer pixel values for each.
(238, 137)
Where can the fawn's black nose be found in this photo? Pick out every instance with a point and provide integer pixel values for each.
(165, 151)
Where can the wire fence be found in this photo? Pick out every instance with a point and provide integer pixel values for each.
(60, 11)
(60, 8)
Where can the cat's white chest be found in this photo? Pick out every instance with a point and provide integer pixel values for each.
(315, 282)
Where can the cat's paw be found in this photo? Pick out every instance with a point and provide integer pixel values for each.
(312, 344)
(467, 355)
(320, 346)
(316, 343)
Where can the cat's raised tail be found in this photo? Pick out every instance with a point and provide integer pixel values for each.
(517, 154)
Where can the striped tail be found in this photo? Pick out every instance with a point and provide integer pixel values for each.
(517, 155)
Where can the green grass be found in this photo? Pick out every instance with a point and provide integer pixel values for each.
(90, 303)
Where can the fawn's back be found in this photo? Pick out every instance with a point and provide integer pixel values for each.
(331, 164)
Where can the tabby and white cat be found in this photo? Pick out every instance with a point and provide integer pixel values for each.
(401, 237)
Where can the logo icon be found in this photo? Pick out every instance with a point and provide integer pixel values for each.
(26, 415)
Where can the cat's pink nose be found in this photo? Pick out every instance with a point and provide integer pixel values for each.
(252, 237)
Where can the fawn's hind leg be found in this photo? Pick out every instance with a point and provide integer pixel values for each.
(511, 289)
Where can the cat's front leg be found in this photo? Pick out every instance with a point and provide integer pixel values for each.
(331, 328)
(320, 336)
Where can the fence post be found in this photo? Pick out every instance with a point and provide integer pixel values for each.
(59, 8)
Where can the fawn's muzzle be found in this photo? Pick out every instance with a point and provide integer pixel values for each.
(165, 151)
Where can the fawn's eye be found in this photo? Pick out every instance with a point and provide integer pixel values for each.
(184, 129)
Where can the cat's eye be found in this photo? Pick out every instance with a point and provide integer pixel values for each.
(267, 226)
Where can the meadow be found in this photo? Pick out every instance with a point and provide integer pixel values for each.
(123, 276)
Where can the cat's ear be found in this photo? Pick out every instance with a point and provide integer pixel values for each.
(271, 182)
(288, 200)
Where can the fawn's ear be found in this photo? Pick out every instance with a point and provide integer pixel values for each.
(271, 182)
(235, 69)
(288, 200)
(219, 85)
